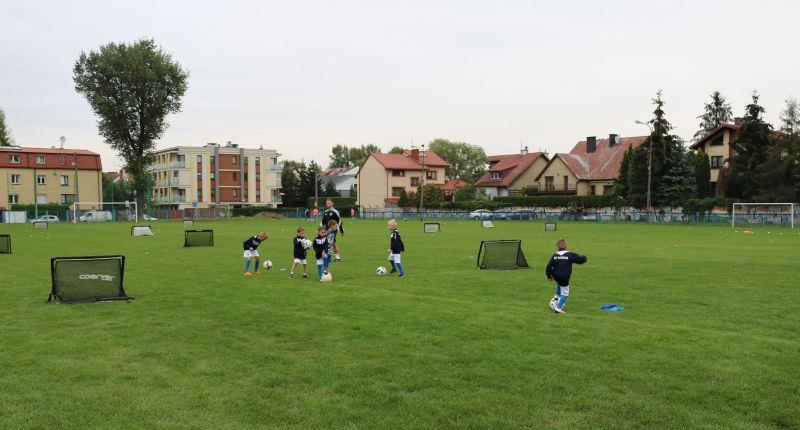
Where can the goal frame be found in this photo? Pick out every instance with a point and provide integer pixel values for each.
(745, 205)
(130, 205)
(425, 227)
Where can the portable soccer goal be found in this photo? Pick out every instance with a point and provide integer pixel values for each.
(5, 244)
(141, 230)
(87, 279)
(487, 223)
(40, 224)
(198, 238)
(431, 227)
(749, 214)
(550, 226)
(188, 223)
(501, 254)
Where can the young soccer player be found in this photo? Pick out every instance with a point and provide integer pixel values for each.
(321, 251)
(299, 252)
(560, 269)
(251, 252)
(396, 249)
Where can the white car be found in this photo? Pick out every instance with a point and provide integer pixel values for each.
(46, 218)
(146, 217)
(481, 214)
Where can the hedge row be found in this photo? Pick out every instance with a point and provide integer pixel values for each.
(53, 208)
(690, 206)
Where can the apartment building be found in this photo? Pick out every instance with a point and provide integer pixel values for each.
(212, 175)
(383, 177)
(49, 175)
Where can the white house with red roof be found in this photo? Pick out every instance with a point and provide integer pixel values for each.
(383, 177)
(589, 169)
(511, 173)
(342, 178)
(717, 144)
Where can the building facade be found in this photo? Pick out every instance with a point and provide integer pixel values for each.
(383, 177)
(342, 178)
(718, 146)
(212, 175)
(49, 175)
(511, 173)
(589, 169)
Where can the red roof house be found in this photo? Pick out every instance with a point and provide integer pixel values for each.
(512, 172)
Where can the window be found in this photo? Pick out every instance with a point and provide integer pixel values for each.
(258, 177)
(566, 183)
(41, 199)
(67, 199)
(398, 172)
(213, 176)
(396, 191)
(258, 195)
(593, 191)
(41, 179)
(62, 159)
(213, 159)
(246, 193)
(233, 159)
(274, 160)
(415, 181)
(40, 159)
(258, 161)
(276, 196)
(716, 141)
(16, 179)
(235, 192)
(15, 159)
(13, 199)
(235, 176)
(245, 160)
(245, 176)
(717, 161)
(496, 175)
(549, 183)
(64, 180)
(430, 174)
(199, 194)
(199, 176)
(200, 159)
(607, 189)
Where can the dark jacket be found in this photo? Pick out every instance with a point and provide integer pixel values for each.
(396, 243)
(253, 243)
(320, 245)
(560, 266)
(332, 214)
(299, 251)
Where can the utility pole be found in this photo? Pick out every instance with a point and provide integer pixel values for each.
(649, 163)
(422, 188)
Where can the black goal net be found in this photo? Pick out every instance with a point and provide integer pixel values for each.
(87, 279)
(5, 244)
(501, 254)
(199, 238)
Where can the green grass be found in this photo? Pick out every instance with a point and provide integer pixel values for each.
(710, 335)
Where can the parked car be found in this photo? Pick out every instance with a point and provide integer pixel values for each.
(95, 216)
(523, 214)
(503, 214)
(481, 214)
(46, 218)
(132, 217)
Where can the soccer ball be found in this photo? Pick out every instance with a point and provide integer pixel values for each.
(553, 303)
(267, 265)
(381, 271)
(326, 278)
(306, 244)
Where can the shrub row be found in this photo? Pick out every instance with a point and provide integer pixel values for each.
(690, 206)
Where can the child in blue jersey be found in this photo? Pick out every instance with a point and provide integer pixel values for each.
(560, 269)
(251, 252)
(333, 228)
(322, 251)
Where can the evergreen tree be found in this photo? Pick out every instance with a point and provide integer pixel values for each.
(621, 183)
(679, 182)
(353, 192)
(702, 174)
(778, 174)
(717, 112)
(328, 189)
(290, 184)
(5, 134)
(403, 201)
(751, 146)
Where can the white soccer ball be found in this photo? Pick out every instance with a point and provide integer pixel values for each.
(267, 265)
(326, 278)
(306, 244)
(381, 271)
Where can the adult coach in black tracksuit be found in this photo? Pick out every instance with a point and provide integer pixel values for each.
(329, 214)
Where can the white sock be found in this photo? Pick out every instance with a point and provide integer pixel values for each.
(337, 256)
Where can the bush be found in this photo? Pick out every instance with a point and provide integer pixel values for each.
(562, 201)
(52, 208)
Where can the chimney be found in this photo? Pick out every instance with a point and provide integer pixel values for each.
(524, 151)
(591, 144)
(415, 154)
(613, 139)
(738, 121)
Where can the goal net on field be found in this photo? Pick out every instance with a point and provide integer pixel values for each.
(487, 223)
(501, 254)
(5, 244)
(198, 238)
(755, 214)
(432, 227)
(87, 279)
(141, 230)
(104, 211)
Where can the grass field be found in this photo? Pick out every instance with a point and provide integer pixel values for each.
(710, 335)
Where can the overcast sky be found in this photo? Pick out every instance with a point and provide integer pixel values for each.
(302, 76)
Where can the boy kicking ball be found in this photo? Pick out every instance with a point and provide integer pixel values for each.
(299, 252)
(251, 252)
(396, 249)
(560, 269)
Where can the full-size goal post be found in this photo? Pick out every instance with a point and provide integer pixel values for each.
(779, 214)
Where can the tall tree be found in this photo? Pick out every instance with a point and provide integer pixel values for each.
(750, 151)
(396, 150)
(132, 88)
(290, 184)
(5, 133)
(360, 154)
(467, 162)
(679, 182)
(717, 112)
(340, 156)
(343, 156)
(779, 172)
(621, 187)
(702, 175)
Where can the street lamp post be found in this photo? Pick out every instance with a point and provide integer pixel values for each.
(422, 188)
(649, 162)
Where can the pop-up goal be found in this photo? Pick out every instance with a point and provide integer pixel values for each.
(501, 254)
(431, 227)
(487, 223)
(188, 223)
(141, 230)
(550, 226)
(198, 238)
(40, 224)
(5, 244)
(87, 279)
